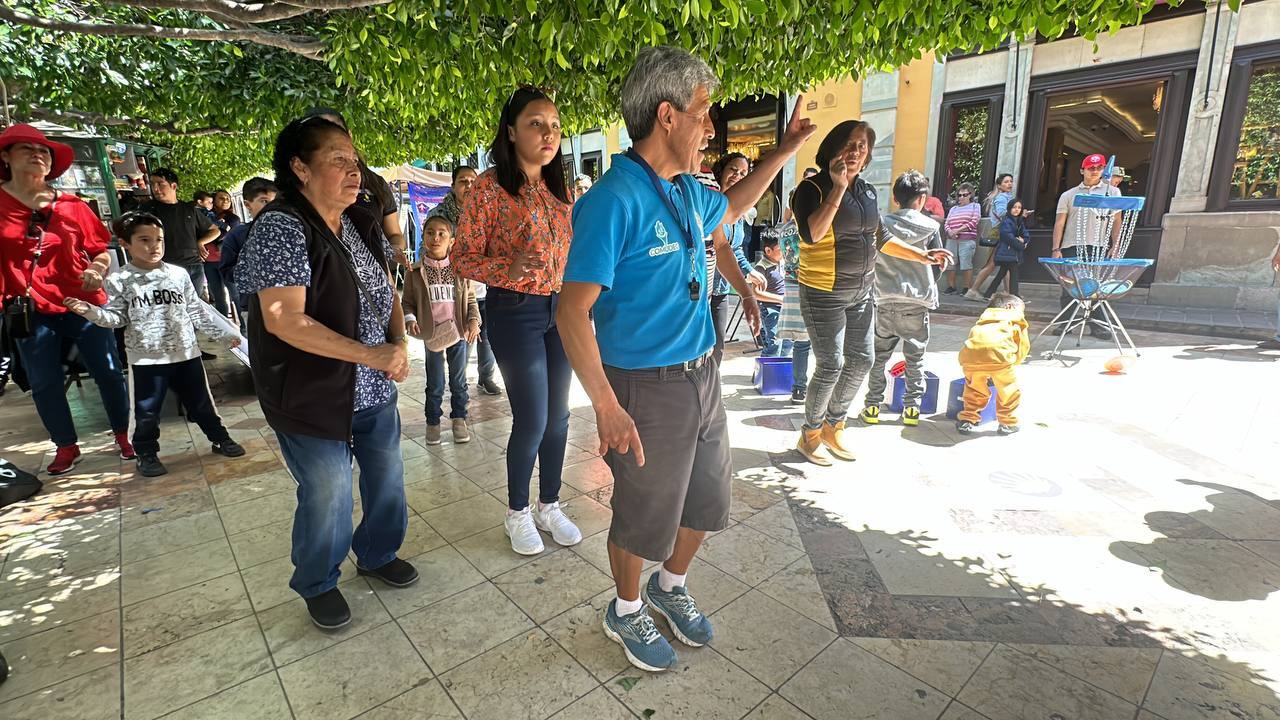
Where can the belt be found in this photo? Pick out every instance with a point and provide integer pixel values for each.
(669, 370)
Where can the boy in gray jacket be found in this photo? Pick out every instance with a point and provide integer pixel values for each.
(905, 293)
(158, 305)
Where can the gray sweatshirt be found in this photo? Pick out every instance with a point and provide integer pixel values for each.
(903, 281)
(162, 312)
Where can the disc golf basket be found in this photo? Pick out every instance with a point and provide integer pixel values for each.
(1100, 272)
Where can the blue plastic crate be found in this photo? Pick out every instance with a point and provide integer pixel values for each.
(955, 402)
(928, 403)
(773, 375)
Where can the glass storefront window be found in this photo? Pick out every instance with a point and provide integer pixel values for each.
(1118, 120)
(1255, 174)
(968, 145)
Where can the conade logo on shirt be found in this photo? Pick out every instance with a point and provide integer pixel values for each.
(159, 296)
(665, 246)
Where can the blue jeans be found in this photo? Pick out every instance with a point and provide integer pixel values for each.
(773, 347)
(799, 365)
(322, 533)
(485, 364)
(42, 358)
(456, 357)
(841, 328)
(217, 289)
(198, 278)
(527, 346)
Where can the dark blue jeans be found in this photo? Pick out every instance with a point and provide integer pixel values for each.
(322, 534)
(217, 288)
(456, 357)
(485, 362)
(42, 358)
(772, 346)
(189, 383)
(537, 374)
(799, 365)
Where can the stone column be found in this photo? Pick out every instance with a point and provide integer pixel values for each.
(1013, 121)
(1212, 69)
(936, 91)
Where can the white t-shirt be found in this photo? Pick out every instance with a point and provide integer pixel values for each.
(1070, 233)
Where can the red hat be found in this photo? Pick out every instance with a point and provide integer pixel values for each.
(14, 134)
(1094, 160)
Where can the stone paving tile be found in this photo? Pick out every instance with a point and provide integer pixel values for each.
(61, 653)
(536, 678)
(552, 584)
(452, 631)
(464, 518)
(192, 669)
(766, 638)
(179, 569)
(1007, 687)
(775, 708)
(91, 696)
(1125, 672)
(170, 536)
(944, 664)
(595, 705)
(291, 635)
(747, 554)
(55, 602)
(261, 698)
(425, 702)
(320, 686)
(168, 618)
(444, 572)
(846, 682)
(703, 685)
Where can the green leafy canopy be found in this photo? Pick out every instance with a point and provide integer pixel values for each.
(426, 78)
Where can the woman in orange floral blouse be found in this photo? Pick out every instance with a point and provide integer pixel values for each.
(514, 236)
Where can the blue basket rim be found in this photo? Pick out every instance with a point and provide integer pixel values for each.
(1119, 262)
(1105, 202)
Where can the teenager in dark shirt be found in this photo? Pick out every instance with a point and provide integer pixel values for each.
(187, 227)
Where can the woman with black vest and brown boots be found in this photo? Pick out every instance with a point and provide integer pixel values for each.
(326, 345)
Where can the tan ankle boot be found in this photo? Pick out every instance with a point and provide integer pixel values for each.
(832, 437)
(810, 446)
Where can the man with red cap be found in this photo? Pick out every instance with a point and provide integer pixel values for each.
(53, 247)
(1067, 236)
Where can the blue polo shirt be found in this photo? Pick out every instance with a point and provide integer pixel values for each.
(626, 240)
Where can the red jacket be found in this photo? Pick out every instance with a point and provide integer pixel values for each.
(73, 236)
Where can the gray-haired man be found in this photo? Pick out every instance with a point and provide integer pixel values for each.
(637, 259)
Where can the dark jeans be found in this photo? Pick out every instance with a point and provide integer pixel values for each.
(456, 357)
(773, 347)
(800, 364)
(322, 534)
(42, 359)
(242, 306)
(1065, 298)
(910, 324)
(198, 278)
(841, 328)
(536, 371)
(485, 364)
(1006, 268)
(720, 314)
(217, 288)
(152, 382)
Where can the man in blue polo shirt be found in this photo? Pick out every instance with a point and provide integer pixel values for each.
(638, 259)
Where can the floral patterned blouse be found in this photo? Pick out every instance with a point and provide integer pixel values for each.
(495, 226)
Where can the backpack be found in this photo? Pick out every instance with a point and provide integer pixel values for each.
(16, 485)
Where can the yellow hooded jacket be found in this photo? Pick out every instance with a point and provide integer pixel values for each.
(999, 340)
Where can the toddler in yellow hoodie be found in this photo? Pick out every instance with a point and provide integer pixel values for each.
(997, 344)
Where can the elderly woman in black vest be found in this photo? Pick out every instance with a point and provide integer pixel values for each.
(326, 344)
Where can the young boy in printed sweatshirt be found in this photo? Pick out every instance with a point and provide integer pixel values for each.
(158, 305)
(440, 307)
(905, 293)
(997, 345)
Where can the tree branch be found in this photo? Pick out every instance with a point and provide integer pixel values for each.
(258, 12)
(304, 45)
(334, 4)
(106, 121)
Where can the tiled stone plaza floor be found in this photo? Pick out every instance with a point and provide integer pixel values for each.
(1120, 559)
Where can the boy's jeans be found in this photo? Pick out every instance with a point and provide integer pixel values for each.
(322, 534)
(456, 357)
(800, 365)
(773, 347)
(910, 324)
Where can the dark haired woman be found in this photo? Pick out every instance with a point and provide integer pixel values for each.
(326, 344)
(53, 247)
(225, 219)
(995, 205)
(514, 237)
(728, 170)
(837, 216)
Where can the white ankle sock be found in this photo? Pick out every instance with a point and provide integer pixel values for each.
(669, 581)
(627, 607)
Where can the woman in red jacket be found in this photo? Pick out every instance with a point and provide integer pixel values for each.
(53, 247)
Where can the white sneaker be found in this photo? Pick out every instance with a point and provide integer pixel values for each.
(552, 519)
(974, 295)
(523, 533)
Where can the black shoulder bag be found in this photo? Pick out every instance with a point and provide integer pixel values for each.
(20, 311)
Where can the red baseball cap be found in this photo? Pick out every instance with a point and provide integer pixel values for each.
(1094, 160)
(62, 154)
